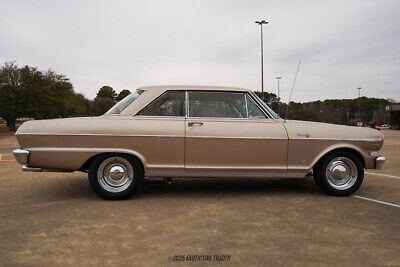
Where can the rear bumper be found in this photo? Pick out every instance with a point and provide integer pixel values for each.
(379, 161)
(27, 168)
(21, 155)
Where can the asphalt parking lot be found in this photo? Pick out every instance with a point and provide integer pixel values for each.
(55, 218)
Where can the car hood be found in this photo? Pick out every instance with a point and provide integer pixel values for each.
(319, 130)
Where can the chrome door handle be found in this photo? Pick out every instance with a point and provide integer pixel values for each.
(303, 134)
(190, 124)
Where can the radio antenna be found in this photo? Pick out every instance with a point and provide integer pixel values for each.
(291, 92)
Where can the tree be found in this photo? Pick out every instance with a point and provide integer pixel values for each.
(28, 92)
(271, 99)
(104, 100)
(302, 114)
(78, 105)
(107, 92)
(101, 105)
(123, 94)
(10, 94)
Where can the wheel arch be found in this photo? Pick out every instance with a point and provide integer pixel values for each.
(350, 149)
(85, 166)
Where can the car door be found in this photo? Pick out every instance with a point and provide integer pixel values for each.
(161, 134)
(228, 134)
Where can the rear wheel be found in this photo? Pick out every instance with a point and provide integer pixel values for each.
(115, 176)
(340, 173)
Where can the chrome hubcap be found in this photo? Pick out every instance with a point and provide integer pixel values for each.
(341, 173)
(115, 174)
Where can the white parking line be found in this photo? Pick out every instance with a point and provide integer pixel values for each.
(391, 176)
(378, 201)
(360, 197)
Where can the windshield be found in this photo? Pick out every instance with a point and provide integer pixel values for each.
(276, 116)
(124, 103)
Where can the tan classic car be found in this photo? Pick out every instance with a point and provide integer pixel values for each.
(196, 131)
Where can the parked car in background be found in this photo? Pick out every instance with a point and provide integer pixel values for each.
(196, 131)
(383, 127)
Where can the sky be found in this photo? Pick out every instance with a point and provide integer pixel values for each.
(343, 44)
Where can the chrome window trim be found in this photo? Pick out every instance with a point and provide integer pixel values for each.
(262, 106)
(187, 103)
(158, 117)
(155, 99)
(268, 117)
(247, 109)
(247, 95)
(263, 110)
(224, 118)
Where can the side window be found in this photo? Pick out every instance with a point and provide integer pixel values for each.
(254, 110)
(170, 103)
(217, 104)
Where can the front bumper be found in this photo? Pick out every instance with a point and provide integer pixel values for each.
(26, 168)
(379, 161)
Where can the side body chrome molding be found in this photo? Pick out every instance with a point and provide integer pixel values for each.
(223, 174)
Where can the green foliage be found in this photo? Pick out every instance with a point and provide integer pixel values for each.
(273, 101)
(107, 92)
(11, 94)
(106, 98)
(123, 94)
(28, 92)
(302, 114)
(340, 111)
(270, 99)
(101, 105)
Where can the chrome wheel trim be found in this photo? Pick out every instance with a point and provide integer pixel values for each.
(341, 173)
(115, 174)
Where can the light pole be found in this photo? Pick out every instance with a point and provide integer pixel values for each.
(359, 103)
(262, 56)
(278, 78)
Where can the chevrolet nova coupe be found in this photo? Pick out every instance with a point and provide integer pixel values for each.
(197, 131)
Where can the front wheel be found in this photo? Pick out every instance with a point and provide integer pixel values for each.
(340, 173)
(115, 176)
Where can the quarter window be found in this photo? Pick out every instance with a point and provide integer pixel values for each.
(254, 111)
(124, 103)
(171, 103)
(217, 104)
